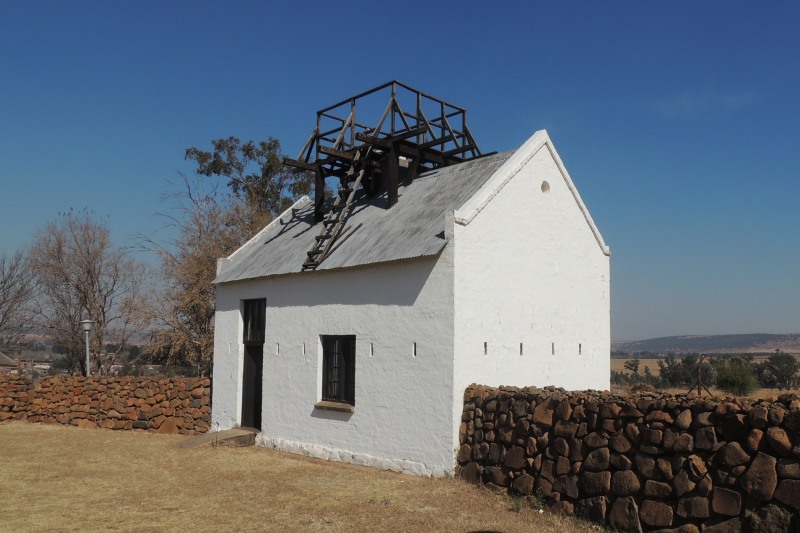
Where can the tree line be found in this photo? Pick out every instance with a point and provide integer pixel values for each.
(737, 374)
(73, 271)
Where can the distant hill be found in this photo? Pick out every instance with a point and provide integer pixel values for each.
(744, 343)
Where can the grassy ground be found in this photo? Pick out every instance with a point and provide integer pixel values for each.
(58, 478)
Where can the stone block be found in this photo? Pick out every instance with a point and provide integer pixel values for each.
(769, 519)
(705, 438)
(594, 509)
(565, 429)
(758, 417)
(779, 441)
(789, 468)
(656, 514)
(595, 484)
(682, 483)
(761, 478)
(693, 507)
(625, 483)
(464, 453)
(620, 462)
(646, 465)
(523, 484)
(619, 443)
(515, 458)
(703, 419)
(169, 426)
(788, 492)
(562, 508)
(562, 466)
(684, 419)
(609, 410)
(659, 416)
(624, 515)
(665, 467)
(543, 414)
(726, 502)
(548, 470)
(734, 427)
(471, 473)
(685, 528)
(657, 489)
(753, 440)
(597, 460)
(595, 440)
(560, 447)
(732, 455)
(567, 486)
(544, 487)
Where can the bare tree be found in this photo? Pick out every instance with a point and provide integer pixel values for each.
(16, 291)
(213, 221)
(210, 225)
(80, 274)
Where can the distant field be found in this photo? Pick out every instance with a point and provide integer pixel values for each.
(619, 366)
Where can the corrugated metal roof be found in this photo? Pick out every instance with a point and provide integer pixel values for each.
(414, 227)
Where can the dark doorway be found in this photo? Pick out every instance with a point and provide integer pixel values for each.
(251, 395)
(253, 334)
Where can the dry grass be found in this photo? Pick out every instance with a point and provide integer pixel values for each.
(57, 478)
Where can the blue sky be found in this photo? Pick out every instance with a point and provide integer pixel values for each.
(678, 121)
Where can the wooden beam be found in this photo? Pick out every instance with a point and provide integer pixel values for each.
(300, 165)
(459, 150)
(419, 130)
(391, 173)
(371, 139)
(337, 153)
(434, 142)
(319, 196)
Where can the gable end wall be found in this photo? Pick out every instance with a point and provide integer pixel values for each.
(531, 270)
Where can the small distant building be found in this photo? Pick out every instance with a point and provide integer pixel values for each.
(348, 328)
(7, 365)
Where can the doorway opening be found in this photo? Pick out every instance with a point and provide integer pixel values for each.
(253, 333)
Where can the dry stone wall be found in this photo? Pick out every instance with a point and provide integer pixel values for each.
(646, 462)
(166, 405)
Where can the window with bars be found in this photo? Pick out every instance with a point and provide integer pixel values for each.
(339, 368)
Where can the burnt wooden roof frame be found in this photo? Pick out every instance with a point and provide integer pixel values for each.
(338, 148)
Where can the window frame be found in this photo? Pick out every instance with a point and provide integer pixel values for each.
(338, 372)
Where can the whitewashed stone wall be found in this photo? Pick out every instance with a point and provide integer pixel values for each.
(388, 308)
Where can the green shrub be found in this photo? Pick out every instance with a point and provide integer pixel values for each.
(736, 377)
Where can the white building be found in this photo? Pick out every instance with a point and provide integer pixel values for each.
(489, 271)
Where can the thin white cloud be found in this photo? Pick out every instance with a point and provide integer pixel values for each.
(704, 104)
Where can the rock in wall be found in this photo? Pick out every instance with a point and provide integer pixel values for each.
(164, 405)
(646, 462)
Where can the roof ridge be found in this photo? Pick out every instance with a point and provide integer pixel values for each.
(464, 166)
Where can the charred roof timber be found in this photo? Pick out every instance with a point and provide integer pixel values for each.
(415, 133)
